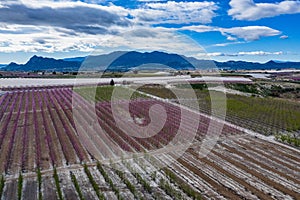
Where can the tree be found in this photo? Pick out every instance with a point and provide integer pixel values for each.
(112, 83)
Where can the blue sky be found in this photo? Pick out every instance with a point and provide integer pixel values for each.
(247, 30)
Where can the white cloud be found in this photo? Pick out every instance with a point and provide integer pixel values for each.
(43, 39)
(199, 28)
(213, 54)
(245, 53)
(176, 12)
(67, 25)
(228, 43)
(49, 26)
(153, 39)
(259, 53)
(284, 37)
(248, 33)
(231, 38)
(49, 39)
(78, 17)
(151, 0)
(249, 10)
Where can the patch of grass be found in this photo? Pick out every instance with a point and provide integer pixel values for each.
(288, 138)
(158, 91)
(104, 93)
(247, 88)
(194, 86)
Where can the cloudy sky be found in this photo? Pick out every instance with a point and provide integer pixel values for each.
(258, 30)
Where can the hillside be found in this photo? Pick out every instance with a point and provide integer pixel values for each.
(125, 61)
(44, 64)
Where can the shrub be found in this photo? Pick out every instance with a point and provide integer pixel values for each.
(112, 82)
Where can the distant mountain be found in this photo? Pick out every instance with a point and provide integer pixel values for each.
(116, 61)
(44, 64)
(124, 61)
(281, 61)
(1, 66)
(154, 59)
(76, 59)
(242, 65)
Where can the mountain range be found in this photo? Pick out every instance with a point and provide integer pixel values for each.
(125, 61)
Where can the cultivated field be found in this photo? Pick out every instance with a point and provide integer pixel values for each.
(267, 116)
(47, 154)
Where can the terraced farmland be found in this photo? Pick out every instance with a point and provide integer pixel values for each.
(43, 154)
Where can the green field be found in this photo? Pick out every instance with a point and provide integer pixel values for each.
(104, 93)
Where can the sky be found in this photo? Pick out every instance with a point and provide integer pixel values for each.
(222, 30)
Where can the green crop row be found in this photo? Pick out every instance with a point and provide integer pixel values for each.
(170, 190)
(109, 181)
(57, 184)
(20, 186)
(39, 178)
(93, 182)
(77, 187)
(2, 183)
(182, 185)
(288, 138)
